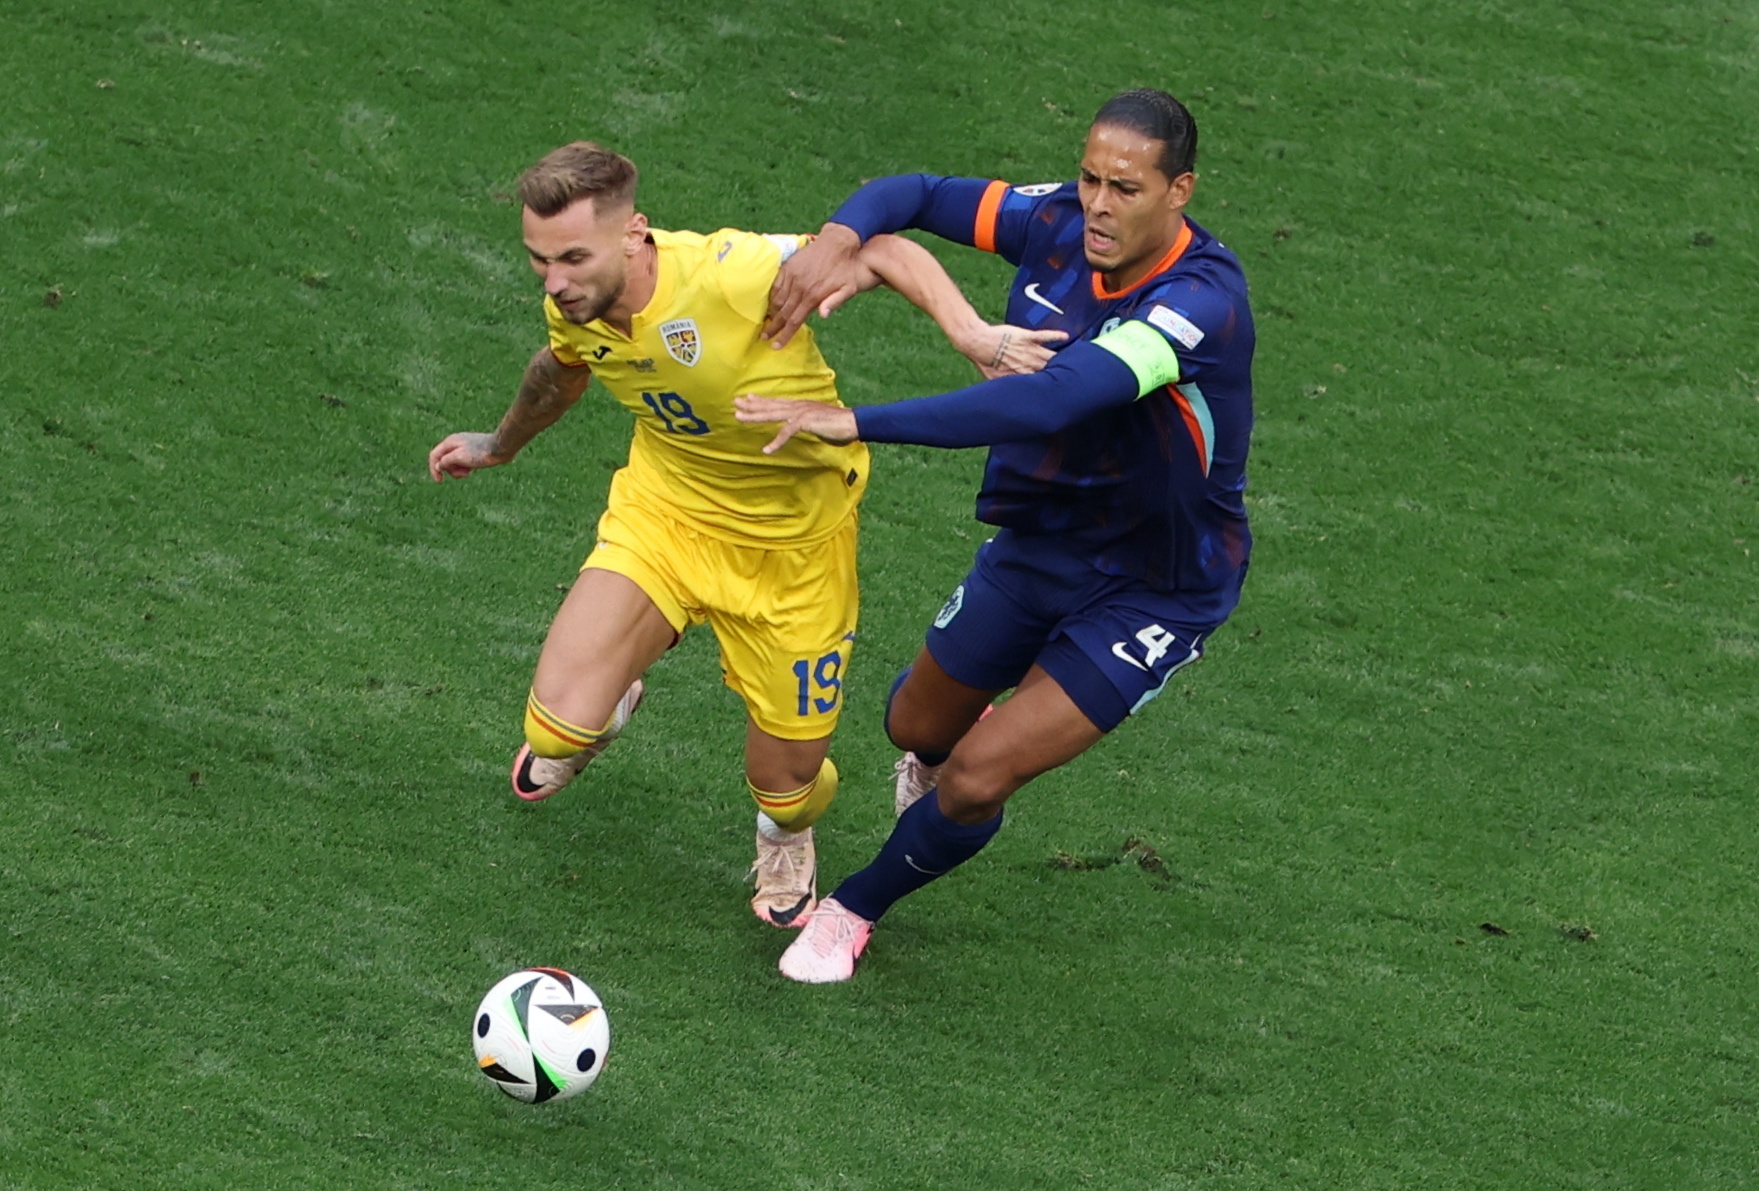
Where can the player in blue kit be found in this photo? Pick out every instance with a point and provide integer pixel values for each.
(1116, 476)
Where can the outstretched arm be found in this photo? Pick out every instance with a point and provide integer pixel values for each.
(821, 276)
(914, 272)
(546, 392)
(1080, 381)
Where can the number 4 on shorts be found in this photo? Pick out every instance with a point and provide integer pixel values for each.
(1155, 642)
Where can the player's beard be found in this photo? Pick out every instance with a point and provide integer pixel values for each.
(581, 315)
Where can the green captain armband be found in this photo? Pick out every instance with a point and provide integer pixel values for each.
(1146, 352)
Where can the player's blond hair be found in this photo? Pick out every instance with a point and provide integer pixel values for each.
(578, 170)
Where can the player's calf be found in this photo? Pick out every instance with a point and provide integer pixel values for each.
(925, 844)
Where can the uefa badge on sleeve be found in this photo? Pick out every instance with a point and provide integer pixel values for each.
(683, 340)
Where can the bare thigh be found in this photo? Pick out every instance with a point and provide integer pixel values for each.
(1035, 731)
(605, 636)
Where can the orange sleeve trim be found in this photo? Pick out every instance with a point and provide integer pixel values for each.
(988, 207)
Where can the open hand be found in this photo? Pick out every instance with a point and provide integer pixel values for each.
(822, 275)
(832, 423)
(1006, 351)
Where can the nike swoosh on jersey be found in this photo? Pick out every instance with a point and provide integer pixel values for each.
(1118, 650)
(1031, 291)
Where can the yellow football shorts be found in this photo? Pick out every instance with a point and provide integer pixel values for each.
(785, 619)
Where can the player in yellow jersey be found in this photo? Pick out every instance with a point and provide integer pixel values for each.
(700, 526)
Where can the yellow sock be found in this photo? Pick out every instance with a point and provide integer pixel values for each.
(552, 736)
(798, 809)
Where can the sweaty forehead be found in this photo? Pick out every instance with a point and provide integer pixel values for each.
(1116, 151)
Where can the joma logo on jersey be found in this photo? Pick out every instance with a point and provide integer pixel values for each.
(683, 340)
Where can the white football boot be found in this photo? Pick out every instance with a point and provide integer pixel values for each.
(911, 780)
(828, 946)
(535, 778)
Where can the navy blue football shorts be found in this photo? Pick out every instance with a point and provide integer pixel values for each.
(1109, 641)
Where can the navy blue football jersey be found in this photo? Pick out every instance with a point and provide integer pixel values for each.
(1154, 489)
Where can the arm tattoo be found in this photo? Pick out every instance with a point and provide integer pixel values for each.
(546, 392)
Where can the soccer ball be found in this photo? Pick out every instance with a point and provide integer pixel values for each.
(541, 1035)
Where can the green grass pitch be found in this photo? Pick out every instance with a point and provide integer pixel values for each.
(1439, 872)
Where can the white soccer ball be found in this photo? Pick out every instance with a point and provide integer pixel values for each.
(541, 1034)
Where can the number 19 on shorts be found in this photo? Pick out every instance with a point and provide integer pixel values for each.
(820, 683)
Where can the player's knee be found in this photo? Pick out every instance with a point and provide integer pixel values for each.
(549, 735)
(913, 727)
(796, 810)
(909, 736)
(973, 790)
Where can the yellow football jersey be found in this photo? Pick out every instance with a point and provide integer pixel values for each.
(691, 351)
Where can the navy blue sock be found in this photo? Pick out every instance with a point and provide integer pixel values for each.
(924, 844)
(925, 758)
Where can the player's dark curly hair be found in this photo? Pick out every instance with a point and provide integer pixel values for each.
(1157, 115)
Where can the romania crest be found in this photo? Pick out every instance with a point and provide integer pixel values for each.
(683, 340)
